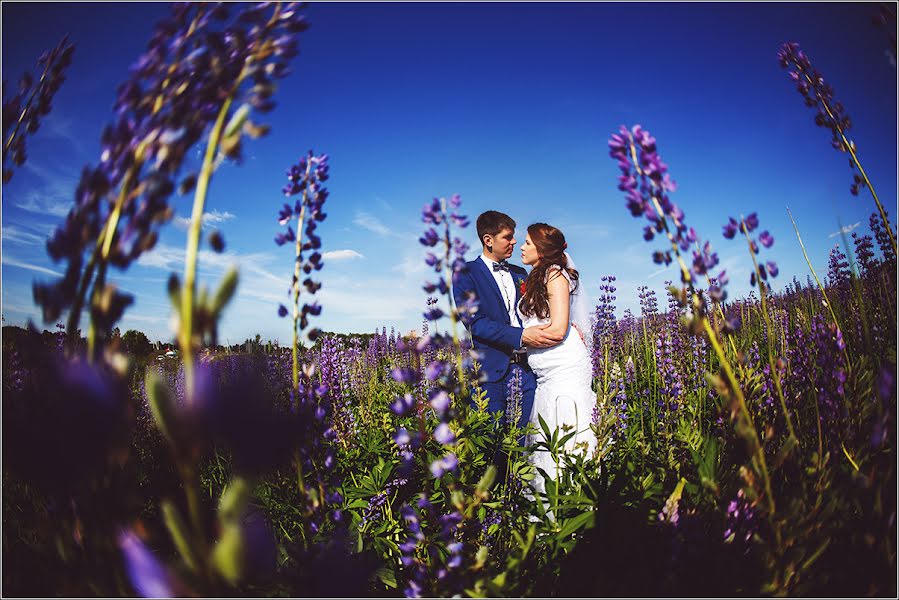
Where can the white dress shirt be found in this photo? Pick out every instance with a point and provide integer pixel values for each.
(506, 289)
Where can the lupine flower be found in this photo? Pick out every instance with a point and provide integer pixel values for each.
(880, 235)
(646, 183)
(741, 520)
(513, 398)
(747, 225)
(818, 95)
(22, 111)
(649, 303)
(172, 99)
(428, 571)
(884, 427)
(603, 323)
(306, 178)
(148, 575)
(837, 267)
(830, 377)
(863, 252)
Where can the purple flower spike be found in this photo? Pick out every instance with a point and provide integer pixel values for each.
(148, 576)
(403, 404)
(444, 434)
(444, 465)
(401, 437)
(752, 221)
(433, 314)
(440, 401)
(430, 238)
(730, 229)
(404, 375)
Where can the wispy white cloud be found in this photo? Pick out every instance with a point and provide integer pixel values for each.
(12, 262)
(843, 230)
(12, 233)
(208, 219)
(372, 223)
(53, 192)
(657, 273)
(36, 203)
(57, 126)
(410, 265)
(341, 255)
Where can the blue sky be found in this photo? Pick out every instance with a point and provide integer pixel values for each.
(509, 105)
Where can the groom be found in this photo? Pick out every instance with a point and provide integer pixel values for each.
(496, 330)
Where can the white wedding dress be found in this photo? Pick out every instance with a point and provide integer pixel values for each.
(564, 397)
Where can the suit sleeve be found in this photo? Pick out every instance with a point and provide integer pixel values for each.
(482, 327)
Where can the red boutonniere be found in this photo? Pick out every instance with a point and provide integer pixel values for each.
(523, 288)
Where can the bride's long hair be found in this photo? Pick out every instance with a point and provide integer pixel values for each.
(551, 245)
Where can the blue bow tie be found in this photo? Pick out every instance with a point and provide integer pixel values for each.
(501, 266)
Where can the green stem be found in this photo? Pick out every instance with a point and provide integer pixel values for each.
(770, 330)
(186, 334)
(818, 281)
(298, 258)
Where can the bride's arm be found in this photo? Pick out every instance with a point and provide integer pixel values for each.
(559, 297)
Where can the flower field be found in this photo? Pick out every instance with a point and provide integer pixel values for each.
(747, 446)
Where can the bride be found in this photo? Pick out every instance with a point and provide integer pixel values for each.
(564, 398)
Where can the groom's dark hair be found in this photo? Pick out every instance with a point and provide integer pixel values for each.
(492, 222)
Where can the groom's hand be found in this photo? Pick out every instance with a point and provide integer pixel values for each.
(536, 336)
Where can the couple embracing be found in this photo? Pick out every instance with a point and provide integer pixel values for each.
(524, 323)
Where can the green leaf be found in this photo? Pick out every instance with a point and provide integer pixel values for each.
(238, 118)
(486, 481)
(225, 291)
(178, 530)
(386, 576)
(162, 404)
(228, 554)
(234, 500)
(174, 289)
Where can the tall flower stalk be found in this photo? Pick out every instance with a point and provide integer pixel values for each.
(21, 118)
(819, 94)
(306, 178)
(760, 275)
(646, 183)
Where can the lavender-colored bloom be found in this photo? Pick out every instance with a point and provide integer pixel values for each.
(837, 267)
(22, 112)
(741, 521)
(882, 237)
(603, 324)
(401, 437)
(864, 254)
(443, 465)
(402, 404)
(444, 434)
(404, 375)
(819, 95)
(747, 225)
(169, 104)
(647, 184)
(150, 578)
(440, 401)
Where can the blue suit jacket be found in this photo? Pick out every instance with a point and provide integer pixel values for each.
(492, 333)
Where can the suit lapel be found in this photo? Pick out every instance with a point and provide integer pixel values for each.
(491, 284)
